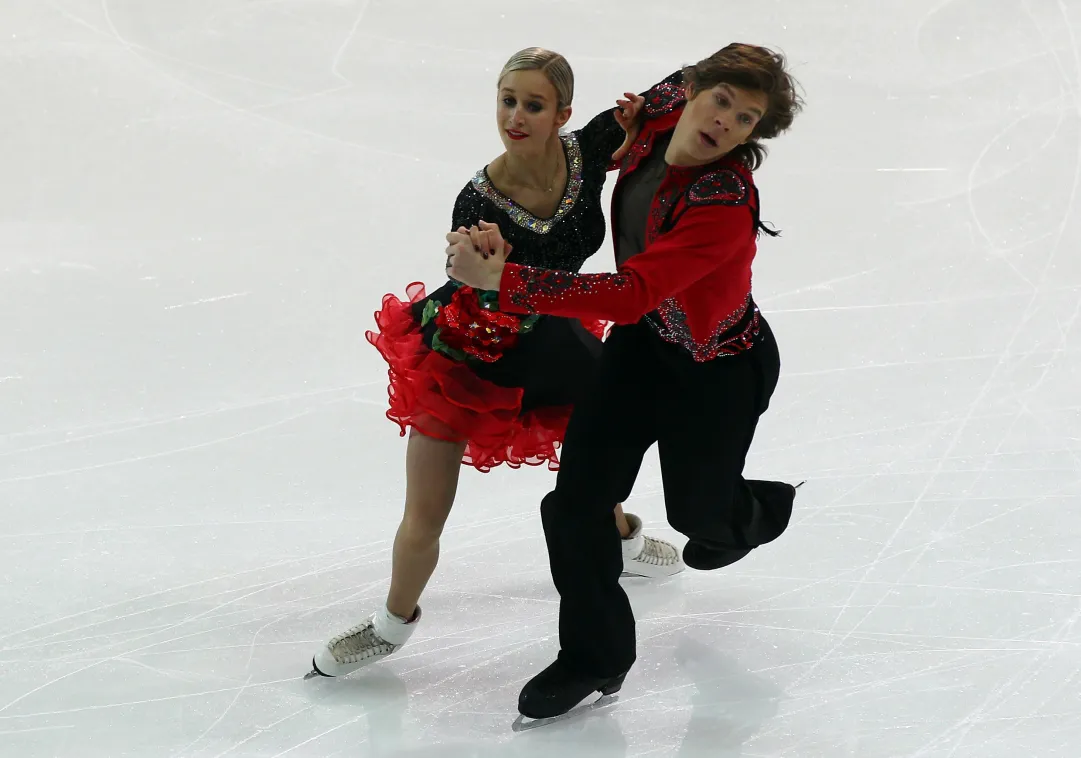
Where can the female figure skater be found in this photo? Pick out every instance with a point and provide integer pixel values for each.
(481, 387)
(691, 364)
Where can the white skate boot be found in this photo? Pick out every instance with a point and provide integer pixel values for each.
(379, 636)
(647, 556)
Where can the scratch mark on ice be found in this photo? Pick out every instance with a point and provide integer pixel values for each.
(206, 300)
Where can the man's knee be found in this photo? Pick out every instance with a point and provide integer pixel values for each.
(576, 506)
(552, 508)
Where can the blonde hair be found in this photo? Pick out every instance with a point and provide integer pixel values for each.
(553, 65)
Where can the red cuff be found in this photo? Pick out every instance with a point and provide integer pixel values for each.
(511, 283)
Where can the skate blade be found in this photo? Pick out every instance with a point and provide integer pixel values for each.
(525, 723)
(636, 575)
(315, 672)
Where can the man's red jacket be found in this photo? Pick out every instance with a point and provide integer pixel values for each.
(692, 283)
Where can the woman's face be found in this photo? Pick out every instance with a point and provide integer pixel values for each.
(527, 112)
(716, 121)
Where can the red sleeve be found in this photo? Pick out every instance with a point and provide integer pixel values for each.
(703, 239)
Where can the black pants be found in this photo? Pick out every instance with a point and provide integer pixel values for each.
(702, 417)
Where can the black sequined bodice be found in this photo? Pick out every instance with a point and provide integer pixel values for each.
(577, 230)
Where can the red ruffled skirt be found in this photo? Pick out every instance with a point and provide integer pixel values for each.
(444, 398)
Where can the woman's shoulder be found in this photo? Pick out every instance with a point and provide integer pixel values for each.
(471, 204)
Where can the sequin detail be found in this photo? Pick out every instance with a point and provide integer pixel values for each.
(663, 201)
(673, 328)
(661, 100)
(638, 149)
(569, 239)
(534, 282)
(519, 215)
(724, 187)
(664, 98)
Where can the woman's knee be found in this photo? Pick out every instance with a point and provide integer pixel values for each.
(421, 528)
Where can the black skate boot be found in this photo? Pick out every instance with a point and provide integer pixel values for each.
(703, 557)
(771, 509)
(557, 690)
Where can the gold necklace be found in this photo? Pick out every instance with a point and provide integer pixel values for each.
(551, 184)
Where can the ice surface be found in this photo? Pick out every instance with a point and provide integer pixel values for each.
(202, 203)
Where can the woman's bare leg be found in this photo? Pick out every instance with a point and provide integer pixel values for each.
(431, 470)
(432, 467)
(621, 522)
